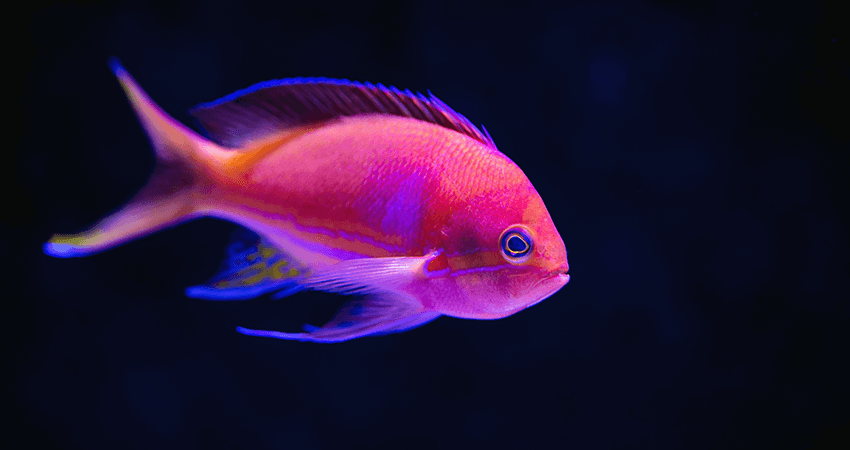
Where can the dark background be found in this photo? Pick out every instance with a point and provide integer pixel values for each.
(690, 155)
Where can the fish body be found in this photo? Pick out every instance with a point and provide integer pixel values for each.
(350, 188)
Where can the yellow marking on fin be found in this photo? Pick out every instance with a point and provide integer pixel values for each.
(261, 270)
(77, 240)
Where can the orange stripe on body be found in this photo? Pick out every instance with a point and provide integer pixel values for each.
(476, 260)
(335, 235)
(235, 168)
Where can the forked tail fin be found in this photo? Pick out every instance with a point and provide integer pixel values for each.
(184, 161)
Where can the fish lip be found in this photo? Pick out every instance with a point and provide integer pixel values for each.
(562, 273)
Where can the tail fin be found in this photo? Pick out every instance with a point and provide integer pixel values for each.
(183, 160)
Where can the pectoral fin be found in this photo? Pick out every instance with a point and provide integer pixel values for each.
(370, 315)
(370, 275)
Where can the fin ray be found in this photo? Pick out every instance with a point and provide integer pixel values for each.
(270, 107)
(370, 315)
(369, 275)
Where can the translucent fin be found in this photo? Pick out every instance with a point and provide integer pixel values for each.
(165, 201)
(371, 315)
(370, 275)
(170, 139)
(182, 158)
(270, 107)
(252, 267)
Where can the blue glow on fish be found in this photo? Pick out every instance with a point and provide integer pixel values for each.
(62, 250)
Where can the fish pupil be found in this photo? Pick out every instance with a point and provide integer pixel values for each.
(517, 246)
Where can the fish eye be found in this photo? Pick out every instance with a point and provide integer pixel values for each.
(516, 244)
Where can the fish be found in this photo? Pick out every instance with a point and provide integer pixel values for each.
(346, 187)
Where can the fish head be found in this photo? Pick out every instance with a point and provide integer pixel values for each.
(504, 253)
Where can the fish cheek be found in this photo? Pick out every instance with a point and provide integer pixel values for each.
(514, 286)
(486, 294)
(471, 282)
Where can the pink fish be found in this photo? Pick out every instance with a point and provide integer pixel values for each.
(350, 188)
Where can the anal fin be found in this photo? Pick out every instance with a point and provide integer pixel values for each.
(370, 315)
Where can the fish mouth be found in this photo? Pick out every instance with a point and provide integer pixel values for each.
(563, 274)
(545, 287)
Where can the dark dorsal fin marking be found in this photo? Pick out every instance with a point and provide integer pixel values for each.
(277, 105)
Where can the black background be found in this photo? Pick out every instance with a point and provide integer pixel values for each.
(690, 154)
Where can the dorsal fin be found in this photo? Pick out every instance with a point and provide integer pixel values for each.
(277, 105)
